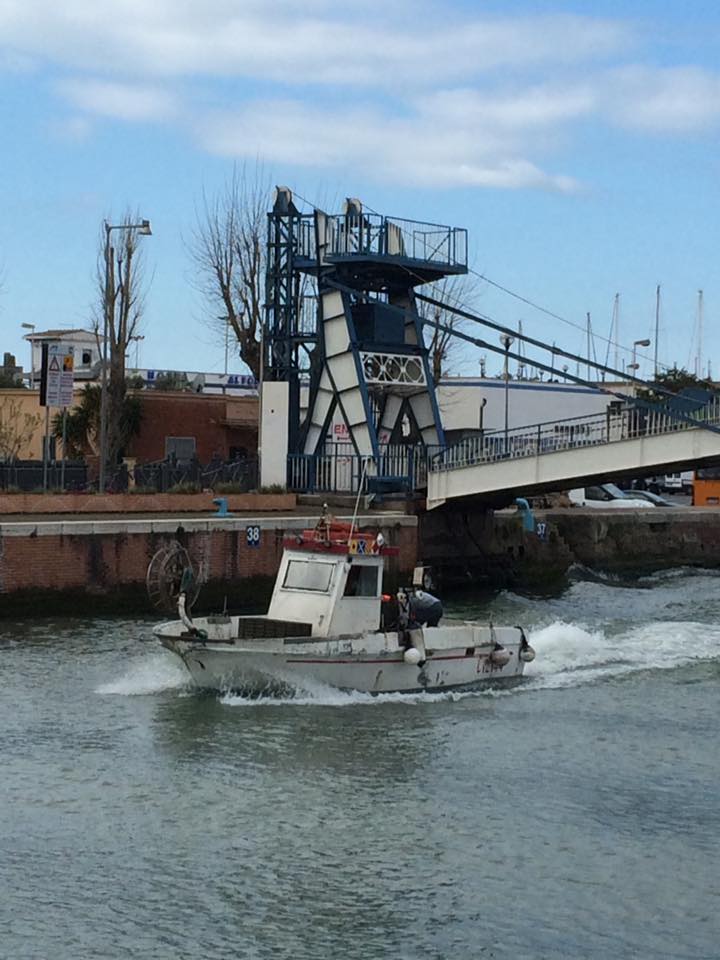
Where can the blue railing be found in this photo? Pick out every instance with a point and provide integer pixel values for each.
(339, 469)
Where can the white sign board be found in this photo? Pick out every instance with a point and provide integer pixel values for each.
(60, 363)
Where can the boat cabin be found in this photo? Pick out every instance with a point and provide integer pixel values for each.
(332, 584)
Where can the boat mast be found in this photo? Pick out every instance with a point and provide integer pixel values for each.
(616, 330)
(657, 328)
(698, 361)
(614, 334)
(589, 375)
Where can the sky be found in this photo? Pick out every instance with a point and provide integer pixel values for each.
(576, 142)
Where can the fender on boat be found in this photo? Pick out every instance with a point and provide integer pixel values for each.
(500, 656)
(526, 652)
(412, 656)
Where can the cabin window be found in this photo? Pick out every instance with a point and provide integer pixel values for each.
(308, 575)
(361, 582)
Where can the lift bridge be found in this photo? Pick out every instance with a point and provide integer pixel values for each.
(349, 402)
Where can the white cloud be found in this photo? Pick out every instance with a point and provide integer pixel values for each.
(424, 149)
(120, 100)
(407, 91)
(663, 100)
(372, 44)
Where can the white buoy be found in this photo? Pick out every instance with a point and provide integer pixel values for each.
(412, 656)
(500, 657)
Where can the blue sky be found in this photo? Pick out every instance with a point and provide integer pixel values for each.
(578, 143)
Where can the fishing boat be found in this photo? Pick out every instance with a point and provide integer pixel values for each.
(329, 623)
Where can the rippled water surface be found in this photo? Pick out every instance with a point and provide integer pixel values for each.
(576, 816)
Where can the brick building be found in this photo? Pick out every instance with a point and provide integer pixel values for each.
(195, 424)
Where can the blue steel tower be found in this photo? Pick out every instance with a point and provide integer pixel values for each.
(365, 355)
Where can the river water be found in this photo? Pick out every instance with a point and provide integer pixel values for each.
(576, 816)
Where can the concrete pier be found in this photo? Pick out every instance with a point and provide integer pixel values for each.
(99, 565)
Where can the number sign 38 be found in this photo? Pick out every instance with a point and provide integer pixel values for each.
(253, 536)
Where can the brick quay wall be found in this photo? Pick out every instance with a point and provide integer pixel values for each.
(92, 566)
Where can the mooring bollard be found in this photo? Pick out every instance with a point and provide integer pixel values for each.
(528, 517)
(222, 510)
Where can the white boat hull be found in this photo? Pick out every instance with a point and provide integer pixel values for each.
(337, 662)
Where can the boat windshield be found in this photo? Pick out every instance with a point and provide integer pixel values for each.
(308, 575)
(362, 582)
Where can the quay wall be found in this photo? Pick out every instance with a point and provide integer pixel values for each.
(91, 566)
(77, 566)
(647, 540)
(466, 546)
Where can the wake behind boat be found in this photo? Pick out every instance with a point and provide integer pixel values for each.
(329, 623)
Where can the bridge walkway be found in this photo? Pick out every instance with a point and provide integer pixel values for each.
(527, 461)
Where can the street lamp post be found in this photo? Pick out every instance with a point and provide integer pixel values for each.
(637, 343)
(143, 229)
(507, 341)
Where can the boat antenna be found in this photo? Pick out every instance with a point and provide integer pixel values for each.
(366, 460)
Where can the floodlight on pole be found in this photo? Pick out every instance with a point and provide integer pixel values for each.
(143, 229)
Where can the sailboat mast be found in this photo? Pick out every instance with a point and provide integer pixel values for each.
(588, 345)
(657, 328)
(698, 361)
(616, 330)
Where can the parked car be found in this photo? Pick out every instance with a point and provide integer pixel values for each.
(648, 495)
(607, 496)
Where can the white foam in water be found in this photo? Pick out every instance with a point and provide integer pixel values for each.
(149, 675)
(319, 695)
(568, 655)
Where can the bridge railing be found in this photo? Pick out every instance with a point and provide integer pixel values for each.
(556, 436)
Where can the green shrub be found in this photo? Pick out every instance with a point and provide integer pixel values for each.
(187, 486)
(140, 489)
(229, 486)
(273, 488)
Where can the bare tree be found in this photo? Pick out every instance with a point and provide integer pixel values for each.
(457, 291)
(17, 428)
(227, 247)
(121, 284)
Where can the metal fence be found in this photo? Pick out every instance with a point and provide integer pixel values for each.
(157, 477)
(339, 469)
(30, 475)
(556, 436)
(377, 235)
(161, 476)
